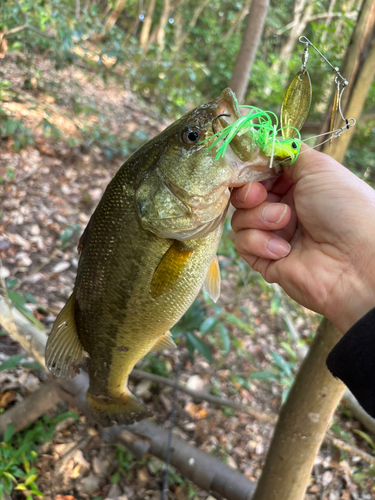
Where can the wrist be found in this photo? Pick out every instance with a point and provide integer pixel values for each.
(357, 300)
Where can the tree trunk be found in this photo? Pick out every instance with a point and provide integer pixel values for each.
(177, 28)
(302, 423)
(339, 26)
(301, 16)
(192, 23)
(328, 21)
(249, 46)
(146, 28)
(163, 23)
(114, 15)
(241, 15)
(358, 69)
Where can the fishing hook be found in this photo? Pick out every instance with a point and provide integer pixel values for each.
(214, 120)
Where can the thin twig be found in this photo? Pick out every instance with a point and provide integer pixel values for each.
(31, 28)
(263, 417)
(330, 437)
(349, 15)
(172, 420)
(6, 297)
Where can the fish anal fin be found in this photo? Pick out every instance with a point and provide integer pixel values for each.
(170, 268)
(164, 342)
(64, 350)
(212, 282)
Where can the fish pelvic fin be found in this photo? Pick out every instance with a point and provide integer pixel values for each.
(125, 409)
(64, 350)
(212, 282)
(164, 342)
(170, 268)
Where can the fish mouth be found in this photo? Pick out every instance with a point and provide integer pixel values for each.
(227, 109)
(243, 155)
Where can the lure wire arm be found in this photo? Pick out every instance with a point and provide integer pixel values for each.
(340, 81)
(307, 42)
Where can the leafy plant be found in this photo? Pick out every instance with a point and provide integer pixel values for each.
(19, 451)
(13, 361)
(124, 460)
(19, 300)
(191, 323)
(281, 371)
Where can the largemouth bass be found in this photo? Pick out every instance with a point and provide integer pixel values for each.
(147, 250)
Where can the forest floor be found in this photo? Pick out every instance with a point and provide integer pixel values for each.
(49, 190)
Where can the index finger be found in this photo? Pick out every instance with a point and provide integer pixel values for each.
(250, 195)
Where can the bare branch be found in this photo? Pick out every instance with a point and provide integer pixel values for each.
(262, 417)
(31, 28)
(331, 438)
(349, 15)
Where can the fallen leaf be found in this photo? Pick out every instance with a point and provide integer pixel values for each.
(6, 398)
(61, 266)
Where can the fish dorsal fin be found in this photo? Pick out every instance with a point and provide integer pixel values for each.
(64, 350)
(212, 281)
(170, 268)
(164, 342)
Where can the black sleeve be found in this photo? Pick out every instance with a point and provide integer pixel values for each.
(352, 360)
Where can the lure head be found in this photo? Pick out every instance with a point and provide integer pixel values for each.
(254, 132)
(284, 149)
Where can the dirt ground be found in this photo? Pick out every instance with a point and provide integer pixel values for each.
(48, 193)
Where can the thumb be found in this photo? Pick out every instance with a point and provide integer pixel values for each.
(310, 162)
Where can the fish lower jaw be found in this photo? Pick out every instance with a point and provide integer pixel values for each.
(256, 169)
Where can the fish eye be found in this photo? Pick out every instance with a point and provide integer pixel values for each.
(191, 135)
(294, 145)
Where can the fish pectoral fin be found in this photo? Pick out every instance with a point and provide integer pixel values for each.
(170, 268)
(164, 342)
(212, 281)
(64, 350)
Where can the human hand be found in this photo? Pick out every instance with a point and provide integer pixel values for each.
(313, 233)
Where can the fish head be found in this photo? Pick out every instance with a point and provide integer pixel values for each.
(185, 192)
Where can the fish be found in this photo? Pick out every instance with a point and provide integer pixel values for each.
(146, 252)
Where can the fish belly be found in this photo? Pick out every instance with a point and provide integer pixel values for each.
(119, 322)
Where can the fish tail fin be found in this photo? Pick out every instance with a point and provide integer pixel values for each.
(125, 409)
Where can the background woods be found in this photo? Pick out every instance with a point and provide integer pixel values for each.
(84, 83)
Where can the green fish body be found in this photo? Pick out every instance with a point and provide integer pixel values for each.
(147, 250)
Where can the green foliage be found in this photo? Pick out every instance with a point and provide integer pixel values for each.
(194, 64)
(15, 360)
(20, 134)
(124, 460)
(191, 323)
(19, 300)
(11, 362)
(19, 451)
(68, 233)
(281, 371)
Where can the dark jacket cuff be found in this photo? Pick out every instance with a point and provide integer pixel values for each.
(352, 360)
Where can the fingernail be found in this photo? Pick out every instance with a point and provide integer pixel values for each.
(243, 197)
(274, 213)
(279, 247)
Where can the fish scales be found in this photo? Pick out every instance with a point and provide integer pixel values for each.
(145, 254)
